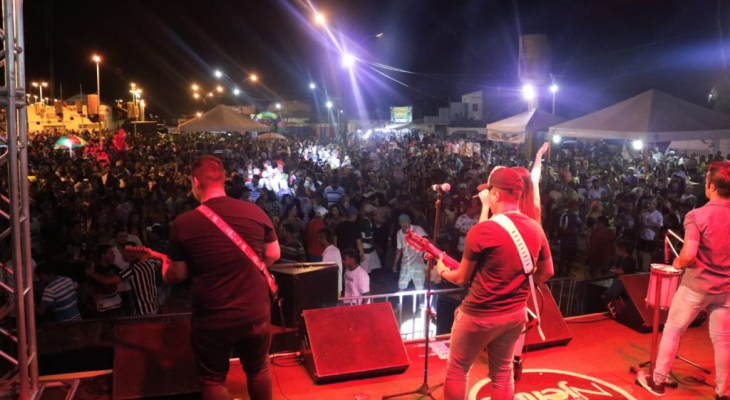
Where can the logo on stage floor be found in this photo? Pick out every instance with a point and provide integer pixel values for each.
(550, 384)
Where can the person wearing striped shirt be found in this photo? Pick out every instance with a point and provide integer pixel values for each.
(333, 192)
(59, 295)
(141, 275)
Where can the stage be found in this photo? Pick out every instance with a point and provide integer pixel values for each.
(594, 365)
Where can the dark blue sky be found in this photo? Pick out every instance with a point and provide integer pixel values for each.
(602, 51)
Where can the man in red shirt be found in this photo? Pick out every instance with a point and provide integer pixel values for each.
(601, 252)
(314, 248)
(494, 311)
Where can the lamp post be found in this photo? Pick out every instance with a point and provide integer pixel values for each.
(554, 90)
(97, 59)
(40, 86)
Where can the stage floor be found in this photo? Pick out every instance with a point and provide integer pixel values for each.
(594, 365)
(602, 350)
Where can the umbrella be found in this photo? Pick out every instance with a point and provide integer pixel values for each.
(271, 136)
(69, 142)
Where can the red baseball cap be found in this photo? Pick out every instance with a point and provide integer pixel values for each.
(503, 178)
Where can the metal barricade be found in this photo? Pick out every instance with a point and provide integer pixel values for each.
(408, 306)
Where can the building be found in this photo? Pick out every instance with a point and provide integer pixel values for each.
(475, 107)
(296, 112)
(68, 115)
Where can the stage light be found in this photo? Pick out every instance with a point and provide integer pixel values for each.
(320, 19)
(218, 74)
(329, 104)
(553, 88)
(528, 92)
(312, 86)
(637, 144)
(348, 60)
(557, 139)
(254, 77)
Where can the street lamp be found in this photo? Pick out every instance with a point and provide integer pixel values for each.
(219, 89)
(236, 91)
(329, 105)
(196, 96)
(312, 85)
(554, 90)
(40, 86)
(348, 60)
(198, 114)
(195, 87)
(218, 74)
(278, 106)
(97, 59)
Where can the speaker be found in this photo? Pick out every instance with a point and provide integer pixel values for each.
(552, 322)
(303, 286)
(626, 302)
(153, 359)
(553, 325)
(352, 342)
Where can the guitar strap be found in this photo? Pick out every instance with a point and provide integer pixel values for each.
(526, 258)
(242, 245)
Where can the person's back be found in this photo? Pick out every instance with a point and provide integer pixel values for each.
(227, 289)
(500, 284)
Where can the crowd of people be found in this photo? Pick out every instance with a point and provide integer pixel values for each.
(331, 201)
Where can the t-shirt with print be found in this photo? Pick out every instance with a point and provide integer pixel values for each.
(410, 256)
(500, 284)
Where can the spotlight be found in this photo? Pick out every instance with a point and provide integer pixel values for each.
(528, 92)
(637, 144)
(557, 139)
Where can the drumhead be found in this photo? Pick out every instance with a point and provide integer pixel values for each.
(667, 269)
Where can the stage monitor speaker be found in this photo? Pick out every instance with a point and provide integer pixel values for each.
(153, 359)
(303, 286)
(553, 325)
(352, 342)
(626, 302)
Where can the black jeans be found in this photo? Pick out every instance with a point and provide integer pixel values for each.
(250, 342)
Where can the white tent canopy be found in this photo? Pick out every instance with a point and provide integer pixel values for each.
(514, 129)
(651, 116)
(222, 119)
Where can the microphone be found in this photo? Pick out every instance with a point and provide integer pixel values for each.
(444, 187)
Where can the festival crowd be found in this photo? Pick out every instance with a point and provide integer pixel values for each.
(346, 203)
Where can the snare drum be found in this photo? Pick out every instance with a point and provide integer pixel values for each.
(666, 276)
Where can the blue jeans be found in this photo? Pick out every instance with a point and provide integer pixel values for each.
(469, 335)
(686, 304)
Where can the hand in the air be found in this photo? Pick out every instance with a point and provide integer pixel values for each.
(484, 197)
(543, 149)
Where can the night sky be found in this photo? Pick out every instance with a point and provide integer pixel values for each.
(603, 51)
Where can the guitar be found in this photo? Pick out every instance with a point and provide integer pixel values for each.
(420, 243)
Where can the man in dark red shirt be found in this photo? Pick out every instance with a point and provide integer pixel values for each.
(231, 305)
(494, 311)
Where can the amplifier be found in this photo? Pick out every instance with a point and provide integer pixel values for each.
(303, 286)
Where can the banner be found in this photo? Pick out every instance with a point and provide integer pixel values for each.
(401, 114)
(509, 137)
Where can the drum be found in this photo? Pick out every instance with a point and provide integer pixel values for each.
(668, 278)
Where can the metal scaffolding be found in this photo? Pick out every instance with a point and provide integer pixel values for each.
(14, 207)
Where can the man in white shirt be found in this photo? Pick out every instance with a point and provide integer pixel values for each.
(650, 221)
(412, 267)
(331, 254)
(357, 281)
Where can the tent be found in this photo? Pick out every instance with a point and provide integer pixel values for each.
(514, 129)
(222, 119)
(651, 116)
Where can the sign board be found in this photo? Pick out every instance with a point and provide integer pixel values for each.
(401, 114)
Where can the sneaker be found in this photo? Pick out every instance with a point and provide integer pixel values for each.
(647, 382)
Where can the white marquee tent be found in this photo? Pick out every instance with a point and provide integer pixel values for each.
(222, 119)
(652, 116)
(514, 129)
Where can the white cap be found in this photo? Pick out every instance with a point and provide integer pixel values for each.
(321, 211)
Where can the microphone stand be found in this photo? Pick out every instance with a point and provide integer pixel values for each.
(425, 389)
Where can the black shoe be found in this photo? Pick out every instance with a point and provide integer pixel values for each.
(718, 397)
(647, 382)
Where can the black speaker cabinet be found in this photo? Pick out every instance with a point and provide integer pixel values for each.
(352, 342)
(626, 302)
(553, 325)
(303, 286)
